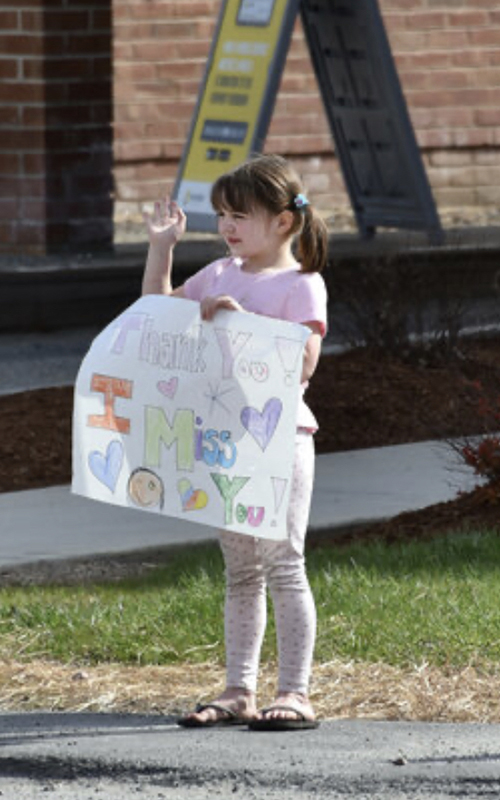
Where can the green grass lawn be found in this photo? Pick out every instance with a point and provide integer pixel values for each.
(435, 602)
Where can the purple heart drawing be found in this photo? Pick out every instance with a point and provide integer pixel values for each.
(106, 466)
(168, 388)
(262, 425)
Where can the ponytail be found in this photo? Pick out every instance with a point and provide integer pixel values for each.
(312, 249)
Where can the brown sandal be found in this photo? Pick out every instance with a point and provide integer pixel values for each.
(226, 716)
(266, 723)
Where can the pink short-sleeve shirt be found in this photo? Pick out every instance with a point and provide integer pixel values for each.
(287, 294)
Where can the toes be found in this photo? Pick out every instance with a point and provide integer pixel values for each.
(287, 712)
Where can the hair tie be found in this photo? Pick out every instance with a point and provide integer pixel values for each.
(300, 201)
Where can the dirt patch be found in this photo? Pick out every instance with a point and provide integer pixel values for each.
(35, 439)
(359, 399)
(364, 400)
(339, 690)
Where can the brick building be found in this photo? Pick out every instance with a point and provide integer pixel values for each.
(74, 70)
(55, 123)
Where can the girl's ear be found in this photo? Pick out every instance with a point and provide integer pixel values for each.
(285, 222)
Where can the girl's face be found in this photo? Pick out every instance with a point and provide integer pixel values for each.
(247, 235)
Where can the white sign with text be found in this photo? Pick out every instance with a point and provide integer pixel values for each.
(190, 419)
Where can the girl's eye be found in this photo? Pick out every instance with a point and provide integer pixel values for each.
(231, 215)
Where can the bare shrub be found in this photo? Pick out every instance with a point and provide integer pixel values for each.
(482, 452)
(400, 306)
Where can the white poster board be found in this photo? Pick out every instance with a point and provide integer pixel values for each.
(190, 419)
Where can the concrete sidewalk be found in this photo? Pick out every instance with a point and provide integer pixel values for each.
(350, 488)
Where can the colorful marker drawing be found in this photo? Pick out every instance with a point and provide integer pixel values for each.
(168, 388)
(261, 425)
(191, 499)
(106, 467)
(259, 371)
(290, 352)
(279, 487)
(145, 488)
(190, 419)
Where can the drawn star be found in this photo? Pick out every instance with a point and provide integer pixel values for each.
(214, 395)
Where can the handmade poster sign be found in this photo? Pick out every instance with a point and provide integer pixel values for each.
(190, 419)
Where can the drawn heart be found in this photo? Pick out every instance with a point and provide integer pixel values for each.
(262, 425)
(106, 467)
(168, 388)
(192, 499)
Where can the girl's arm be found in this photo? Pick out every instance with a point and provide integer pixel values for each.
(165, 227)
(312, 351)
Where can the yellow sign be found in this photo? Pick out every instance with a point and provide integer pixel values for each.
(237, 97)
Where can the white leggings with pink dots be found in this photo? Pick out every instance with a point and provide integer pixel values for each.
(251, 565)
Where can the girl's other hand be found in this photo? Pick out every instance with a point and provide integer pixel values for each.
(166, 224)
(210, 305)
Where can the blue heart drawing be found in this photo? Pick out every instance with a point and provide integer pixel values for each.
(106, 467)
(261, 425)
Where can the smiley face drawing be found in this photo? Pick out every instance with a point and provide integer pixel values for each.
(145, 488)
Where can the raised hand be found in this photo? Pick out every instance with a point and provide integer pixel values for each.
(166, 224)
(165, 227)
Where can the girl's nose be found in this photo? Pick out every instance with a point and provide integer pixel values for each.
(225, 224)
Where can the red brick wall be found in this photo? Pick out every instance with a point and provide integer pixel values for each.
(55, 108)
(160, 50)
(448, 58)
(21, 187)
(55, 124)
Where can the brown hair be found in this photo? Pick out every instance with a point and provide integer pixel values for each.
(270, 183)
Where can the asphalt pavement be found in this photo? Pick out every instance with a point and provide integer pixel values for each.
(109, 757)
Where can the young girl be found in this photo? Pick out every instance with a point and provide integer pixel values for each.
(260, 207)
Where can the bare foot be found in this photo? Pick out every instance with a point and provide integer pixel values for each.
(238, 702)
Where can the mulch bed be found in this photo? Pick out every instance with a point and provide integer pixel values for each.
(360, 400)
